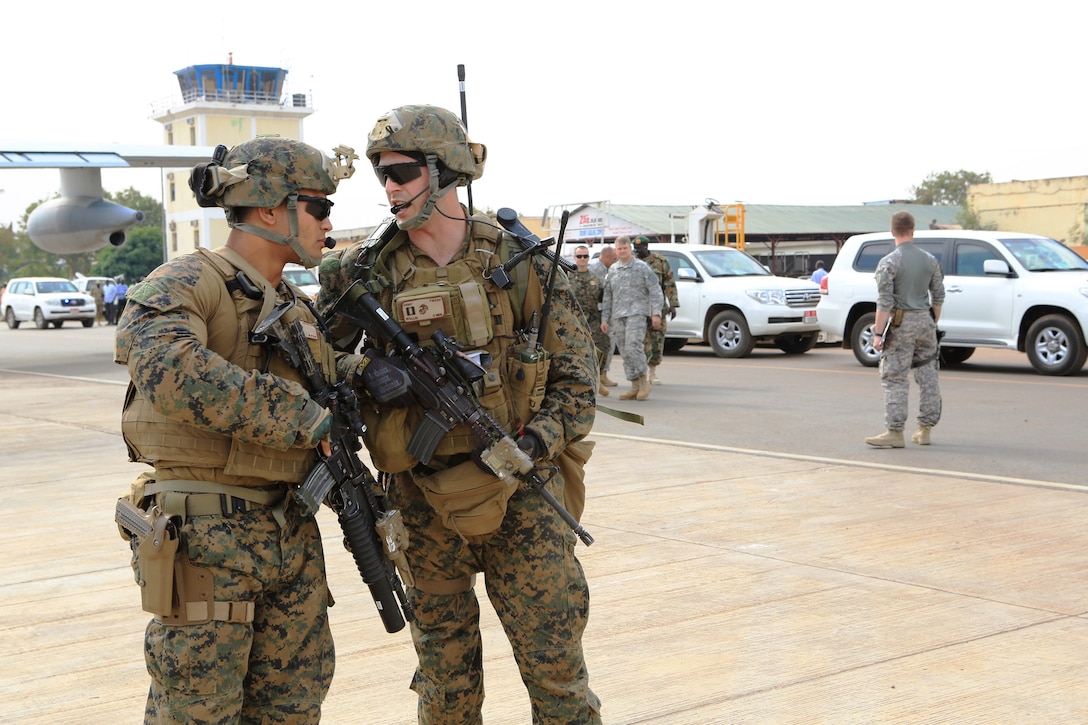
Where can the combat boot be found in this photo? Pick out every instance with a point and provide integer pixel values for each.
(921, 436)
(653, 376)
(602, 391)
(607, 381)
(887, 439)
(630, 394)
(643, 387)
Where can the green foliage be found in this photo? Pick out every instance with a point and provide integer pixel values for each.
(948, 188)
(135, 260)
(20, 257)
(968, 219)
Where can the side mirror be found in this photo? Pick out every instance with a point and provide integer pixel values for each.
(997, 267)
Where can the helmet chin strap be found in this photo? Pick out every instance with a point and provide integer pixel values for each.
(436, 193)
(292, 241)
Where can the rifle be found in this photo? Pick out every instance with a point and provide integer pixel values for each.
(441, 379)
(340, 478)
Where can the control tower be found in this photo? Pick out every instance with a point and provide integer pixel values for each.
(225, 104)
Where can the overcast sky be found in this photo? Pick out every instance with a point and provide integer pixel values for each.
(761, 102)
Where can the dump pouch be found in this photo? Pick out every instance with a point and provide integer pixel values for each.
(470, 501)
(572, 463)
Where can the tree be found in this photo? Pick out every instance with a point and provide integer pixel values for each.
(948, 188)
(133, 261)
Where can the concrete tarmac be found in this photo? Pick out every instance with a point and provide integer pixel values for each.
(728, 586)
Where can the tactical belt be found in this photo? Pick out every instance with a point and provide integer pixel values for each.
(206, 498)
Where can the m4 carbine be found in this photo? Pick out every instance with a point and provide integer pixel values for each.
(341, 478)
(440, 379)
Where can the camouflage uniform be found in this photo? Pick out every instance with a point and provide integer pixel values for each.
(910, 279)
(588, 289)
(631, 295)
(655, 339)
(531, 573)
(230, 429)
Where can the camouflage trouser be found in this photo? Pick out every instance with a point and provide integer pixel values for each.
(913, 341)
(539, 592)
(655, 342)
(629, 336)
(275, 670)
(602, 342)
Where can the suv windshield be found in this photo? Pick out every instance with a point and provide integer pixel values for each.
(729, 263)
(1044, 255)
(55, 286)
(300, 277)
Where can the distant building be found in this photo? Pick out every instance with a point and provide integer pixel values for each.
(1055, 208)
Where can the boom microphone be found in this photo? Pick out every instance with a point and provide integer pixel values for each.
(398, 208)
(330, 243)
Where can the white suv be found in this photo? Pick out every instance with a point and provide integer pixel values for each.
(45, 300)
(1002, 290)
(730, 300)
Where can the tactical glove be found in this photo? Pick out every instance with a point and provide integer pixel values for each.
(532, 445)
(384, 380)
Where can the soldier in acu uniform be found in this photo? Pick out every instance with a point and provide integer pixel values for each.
(910, 288)
(433, 273)
(230, 429)
(632, 296)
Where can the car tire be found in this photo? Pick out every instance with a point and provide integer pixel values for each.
(729, 335)
(9, 317)
(1055, 346)
(953, 356)
(673, 344)
(796, 343)
(87, 323)
(39, 319)
(861, 341)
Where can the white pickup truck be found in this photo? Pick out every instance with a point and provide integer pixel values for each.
(731, 301)
(1002, 290)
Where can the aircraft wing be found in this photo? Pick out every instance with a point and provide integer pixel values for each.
(80, 220)
(23, 155)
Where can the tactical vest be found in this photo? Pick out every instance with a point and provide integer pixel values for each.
(462, 302)
(160, 441)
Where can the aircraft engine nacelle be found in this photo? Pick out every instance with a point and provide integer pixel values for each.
(70, 225)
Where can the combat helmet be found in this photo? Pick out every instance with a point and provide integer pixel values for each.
(436, 135)
(265, 172)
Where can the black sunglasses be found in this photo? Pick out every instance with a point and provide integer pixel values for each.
(318, 207)
(581, 256)
(401, 174)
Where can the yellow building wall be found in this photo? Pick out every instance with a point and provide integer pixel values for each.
(1052, 207)
(233, 130)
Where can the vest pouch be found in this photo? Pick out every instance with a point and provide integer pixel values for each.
(528, 381)
(469, 500)
(572, 463)
(461, 311)
(387, 434)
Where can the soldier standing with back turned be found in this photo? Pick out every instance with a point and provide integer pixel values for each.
(910, 288)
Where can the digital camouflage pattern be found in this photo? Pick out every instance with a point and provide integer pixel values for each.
(531, 573)
(631, 295)
(427, 129)
(910, 279)
(211, 397)
(277, 669)
(655, 339)
(588, 290)
(914, 341)
(275, 168)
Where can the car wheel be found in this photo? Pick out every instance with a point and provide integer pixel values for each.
(729, 335)
(87, 323)
(39, 319)
(9, 316)
(953, 356)
(861, 341)
(672, 344)
(1055, 346)
(796, 343)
